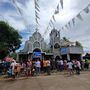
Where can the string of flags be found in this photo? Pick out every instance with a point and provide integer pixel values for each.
(20, 11)
(78, 16)
(37, 11)
(53, 20)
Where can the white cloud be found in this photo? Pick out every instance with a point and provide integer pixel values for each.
(71, 8)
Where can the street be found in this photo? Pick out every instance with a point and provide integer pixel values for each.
(57, 81)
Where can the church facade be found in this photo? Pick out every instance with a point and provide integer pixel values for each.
(36, 47)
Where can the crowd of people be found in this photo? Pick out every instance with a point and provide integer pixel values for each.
(26, 68)
(36, 67)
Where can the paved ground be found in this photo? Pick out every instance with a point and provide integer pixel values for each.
(57, 81)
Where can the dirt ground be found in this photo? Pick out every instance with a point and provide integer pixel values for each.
(56, 81)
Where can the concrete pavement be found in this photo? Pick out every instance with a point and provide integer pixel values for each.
(57, 81)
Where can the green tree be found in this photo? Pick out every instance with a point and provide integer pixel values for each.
(65, 39)
(13, 55)
(10, 39)
(78, 44)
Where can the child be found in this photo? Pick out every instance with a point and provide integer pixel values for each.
(9, 72)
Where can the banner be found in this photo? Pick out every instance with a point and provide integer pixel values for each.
(36, 54)
(61, 1)
(79, 17)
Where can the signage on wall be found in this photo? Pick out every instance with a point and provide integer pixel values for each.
(64, 50)
(36, 54)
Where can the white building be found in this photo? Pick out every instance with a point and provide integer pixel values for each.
(36, 47)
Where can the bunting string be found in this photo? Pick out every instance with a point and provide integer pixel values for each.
(20, 11)
(52, 19)
(79, 16)
(37, 11)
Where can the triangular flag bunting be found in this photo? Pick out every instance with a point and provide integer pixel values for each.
(79, 16)
(61, 1)
(36, 13)
(13, 1)
(66, 26)
(62, 28)
(19, 10)
(73, 20)
(37, 21)
(69, 24)
(50, 24)
(37, 8)
(86, 10)
(57, 10)
(36, 4)
(53, 18)
(37, 16)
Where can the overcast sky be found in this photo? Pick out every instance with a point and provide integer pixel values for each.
(79, 32)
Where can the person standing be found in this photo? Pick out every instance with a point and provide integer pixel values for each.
(45, 66)
(29, 66)
(61, 65)
(58, 65)
(70, 67)
(13, 65)
(78, 67)
(48, 67)
(37, 67)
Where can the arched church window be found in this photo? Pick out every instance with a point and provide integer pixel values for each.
(36, 45)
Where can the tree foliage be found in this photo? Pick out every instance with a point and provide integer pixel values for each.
(10, 39)
(65, 39)
(78, 44)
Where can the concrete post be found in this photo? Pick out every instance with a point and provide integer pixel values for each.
(68, 55)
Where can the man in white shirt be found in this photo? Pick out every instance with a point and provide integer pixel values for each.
(61, 65)
(37, 67)
(13, 64)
